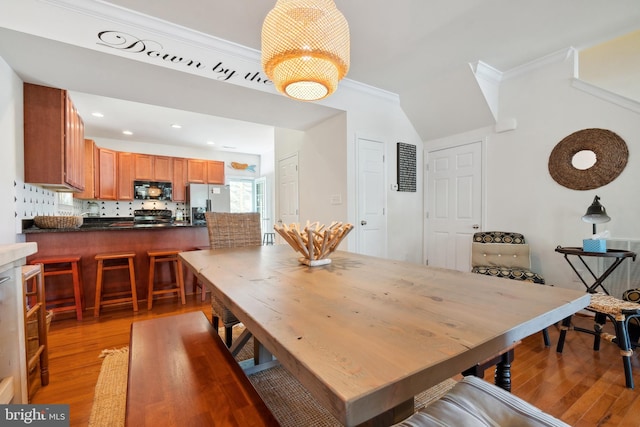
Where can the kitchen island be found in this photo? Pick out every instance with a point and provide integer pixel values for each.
(99, 237)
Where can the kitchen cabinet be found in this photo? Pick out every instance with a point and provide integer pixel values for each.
(124, 181)
(153, 168)
(205, 171)
(89, 172)
(143, 166)
(106, 173)
(197, 171)
(215, 172)
(179, 179)
(53, 139)
(162, 168)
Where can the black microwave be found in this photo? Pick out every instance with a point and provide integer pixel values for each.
(152, 190)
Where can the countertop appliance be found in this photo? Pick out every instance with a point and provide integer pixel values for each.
(152, 190)
(203, 198)
(152, 217)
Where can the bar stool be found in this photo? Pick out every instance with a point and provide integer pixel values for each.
(268, 238)
(196, 283)
(115, 261)
(35, 320)
(158, 257)
(58, 266)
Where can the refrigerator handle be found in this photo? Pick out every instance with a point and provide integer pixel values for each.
(208, 209)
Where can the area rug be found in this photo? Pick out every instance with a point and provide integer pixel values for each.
(110, 396)
(288, 400)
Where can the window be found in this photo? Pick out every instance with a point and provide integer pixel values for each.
(242, 195)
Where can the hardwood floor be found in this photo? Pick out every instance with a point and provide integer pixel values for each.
(579, 386)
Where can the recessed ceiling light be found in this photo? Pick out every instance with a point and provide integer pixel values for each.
(97, 114)
(211, 143)
(176, 126)
(127, 132)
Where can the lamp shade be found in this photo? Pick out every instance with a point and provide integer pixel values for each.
(305, 48)
(596, 213)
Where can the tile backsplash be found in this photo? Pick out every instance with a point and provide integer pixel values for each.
(124, 208)
(32, 200)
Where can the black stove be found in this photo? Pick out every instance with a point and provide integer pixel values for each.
(152, 217)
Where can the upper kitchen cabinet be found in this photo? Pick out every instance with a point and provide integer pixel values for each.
(54, 146)
(125, 179)
(106, 172)
(162, 168)
(179, 179)
(215, 172)
(196, 171)
(153, 168)
(205, 171)
(143, 166)
(89, 171)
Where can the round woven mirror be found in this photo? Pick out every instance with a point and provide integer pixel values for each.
(607, 156)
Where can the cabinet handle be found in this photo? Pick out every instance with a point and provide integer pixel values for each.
(4, 279)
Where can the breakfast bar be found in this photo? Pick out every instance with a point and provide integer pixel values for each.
(365, 335)
(86, 242)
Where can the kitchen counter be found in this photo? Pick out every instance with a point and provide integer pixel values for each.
(13, 358)
(16, 251)
(86, 242)
(111, 226)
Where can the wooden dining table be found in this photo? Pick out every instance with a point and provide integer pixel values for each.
(365, 335)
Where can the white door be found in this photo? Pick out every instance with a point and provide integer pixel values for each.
(454, 205)
(371, 223)
(288, 194)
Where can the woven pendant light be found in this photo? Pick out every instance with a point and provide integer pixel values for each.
(305, 48)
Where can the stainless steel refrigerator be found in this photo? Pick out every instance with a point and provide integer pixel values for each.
(203, 198)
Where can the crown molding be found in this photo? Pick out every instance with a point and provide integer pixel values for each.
(609, 96)
(552, 58)
(370, 90)
(483, 70)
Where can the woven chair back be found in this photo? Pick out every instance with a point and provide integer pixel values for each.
(233, 230)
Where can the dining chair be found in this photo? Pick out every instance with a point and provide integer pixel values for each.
(504, 254)
(230, 230)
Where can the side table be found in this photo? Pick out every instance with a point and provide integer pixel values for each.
(618, 256)
(605, 306)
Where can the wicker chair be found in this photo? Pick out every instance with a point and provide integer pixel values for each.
(504, 254)
(230, 230)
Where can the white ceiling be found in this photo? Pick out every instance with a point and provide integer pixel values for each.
(418, 49)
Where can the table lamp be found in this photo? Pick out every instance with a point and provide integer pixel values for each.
(596, 214)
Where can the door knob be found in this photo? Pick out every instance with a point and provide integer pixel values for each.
(363, 222)
(475, 226)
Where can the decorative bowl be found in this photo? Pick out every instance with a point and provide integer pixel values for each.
(71, 221)
(315, 242)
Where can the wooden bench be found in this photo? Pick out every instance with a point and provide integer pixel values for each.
(181, 373)
(474, 401)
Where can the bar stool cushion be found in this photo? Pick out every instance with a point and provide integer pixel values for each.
(613, 306)
(475, 402)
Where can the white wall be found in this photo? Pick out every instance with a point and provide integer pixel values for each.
(328, 163)
(382, 119)
(11, 146)
(521, 196)
(321, 169)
